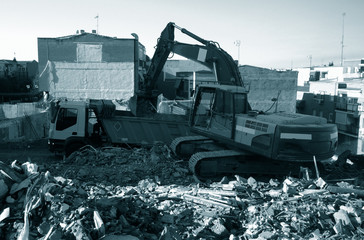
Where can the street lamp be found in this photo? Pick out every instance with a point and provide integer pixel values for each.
(342, 43)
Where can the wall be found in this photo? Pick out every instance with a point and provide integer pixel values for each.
(90, 80)
(63, 63)
(328, 87)
(303, 76)
(174, 66)
(29, 128)
(266, 84)
(9, 111)
(332, 73)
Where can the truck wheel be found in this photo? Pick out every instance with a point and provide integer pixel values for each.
(72, 147)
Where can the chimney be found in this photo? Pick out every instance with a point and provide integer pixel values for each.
(94, 31)
(82, 31)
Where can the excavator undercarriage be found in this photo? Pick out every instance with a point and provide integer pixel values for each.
(209, 160)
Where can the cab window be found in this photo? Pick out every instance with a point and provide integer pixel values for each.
(223, 103)
(240, 103)
(67, 117)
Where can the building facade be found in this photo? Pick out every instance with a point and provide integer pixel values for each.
(88, 65)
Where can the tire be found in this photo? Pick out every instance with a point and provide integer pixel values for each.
(73, 147)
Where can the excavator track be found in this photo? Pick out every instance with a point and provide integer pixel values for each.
(177, 143)
(197, 158)
(214, 165)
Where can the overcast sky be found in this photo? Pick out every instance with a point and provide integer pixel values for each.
(273, 33)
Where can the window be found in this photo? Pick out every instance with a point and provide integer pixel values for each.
(89, 52)
(331, 117)
(223, 102)
(204, 100)
(67, 117)
(324, 74)
(240, 103)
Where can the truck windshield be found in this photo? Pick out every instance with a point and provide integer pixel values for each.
(54, 111)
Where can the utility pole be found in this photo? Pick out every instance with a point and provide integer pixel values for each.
(342, 43)
(237, 43)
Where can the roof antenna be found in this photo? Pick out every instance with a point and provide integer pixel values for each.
(97, 24)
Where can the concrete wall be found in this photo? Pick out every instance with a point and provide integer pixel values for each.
(30, 128)
(10, 111)
(332, 73)
(64, 49)
(328, 87)
(303, 76)
(78, 66)
(89, 80)
(266, 84)
(174, 66)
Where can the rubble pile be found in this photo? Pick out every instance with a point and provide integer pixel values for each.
(125, 166)
(162, 202)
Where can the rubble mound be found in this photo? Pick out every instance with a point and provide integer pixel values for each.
(142, 193)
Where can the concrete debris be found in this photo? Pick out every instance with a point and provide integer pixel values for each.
(3, 189)
(118, 194)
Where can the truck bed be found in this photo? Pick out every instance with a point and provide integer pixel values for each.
(145, 131)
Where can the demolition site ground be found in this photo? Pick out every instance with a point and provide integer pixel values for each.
(147, 193)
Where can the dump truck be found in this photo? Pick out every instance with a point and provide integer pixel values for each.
(97, 123)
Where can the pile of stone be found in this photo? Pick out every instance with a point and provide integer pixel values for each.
(123, 166)
(160, 204)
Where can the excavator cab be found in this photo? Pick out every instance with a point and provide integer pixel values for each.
(215, 108)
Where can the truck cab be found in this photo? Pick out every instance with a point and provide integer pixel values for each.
(68, 129)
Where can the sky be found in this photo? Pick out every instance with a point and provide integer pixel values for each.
(272, 33)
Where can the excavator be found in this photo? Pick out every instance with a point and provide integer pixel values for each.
(229, 137)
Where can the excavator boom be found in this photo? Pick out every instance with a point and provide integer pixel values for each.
(208, 54)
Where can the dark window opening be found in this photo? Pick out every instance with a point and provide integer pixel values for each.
(240, 103)
(67, 117)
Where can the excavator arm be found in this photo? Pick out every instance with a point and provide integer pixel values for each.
(209, 54)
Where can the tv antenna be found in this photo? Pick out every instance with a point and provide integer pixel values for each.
(97, 24)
